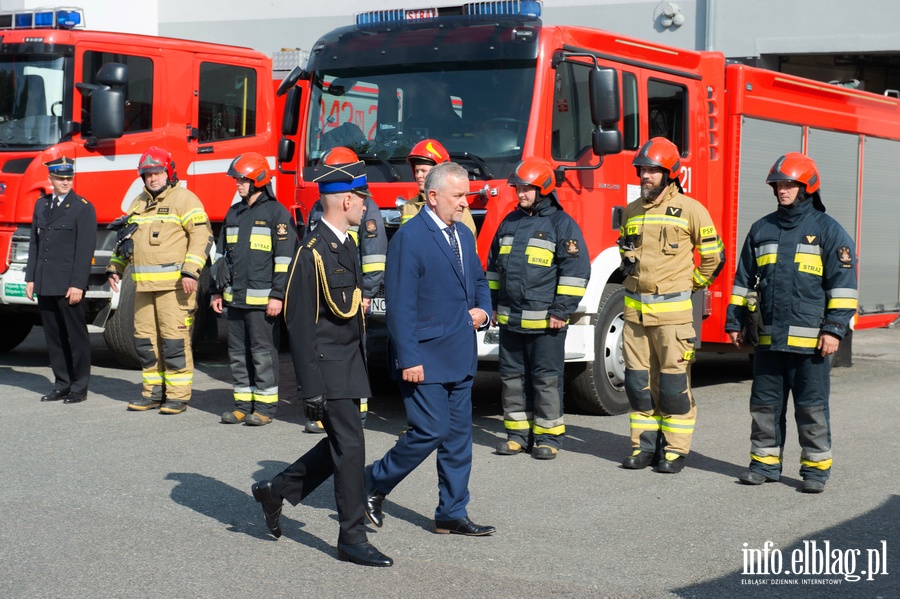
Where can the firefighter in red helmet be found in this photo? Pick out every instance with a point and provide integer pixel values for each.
(660, 231)
(256, 245)
(805, 258)
(170, 238)
(422, 158)
(538, 270)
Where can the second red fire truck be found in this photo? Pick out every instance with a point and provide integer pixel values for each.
(494, 85)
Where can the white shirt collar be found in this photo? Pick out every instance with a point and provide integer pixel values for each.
(341, 235)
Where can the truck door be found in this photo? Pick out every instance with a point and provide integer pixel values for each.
(107, 172)
(228, 119)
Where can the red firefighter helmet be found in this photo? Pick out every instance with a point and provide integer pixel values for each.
(429, 151)
(794, 166)
(253, 166)
(659, 152)
(157, 160)
(534, 171)
(339, 155)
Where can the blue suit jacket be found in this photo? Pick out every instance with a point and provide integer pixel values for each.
(428, 301)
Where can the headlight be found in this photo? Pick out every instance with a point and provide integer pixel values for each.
(18, 251)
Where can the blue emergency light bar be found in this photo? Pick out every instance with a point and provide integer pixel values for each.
(526, 8)
(49, 18)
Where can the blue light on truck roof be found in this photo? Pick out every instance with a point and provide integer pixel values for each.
(49, 18)
(529, 8)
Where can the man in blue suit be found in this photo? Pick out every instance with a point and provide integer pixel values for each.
(437, 297)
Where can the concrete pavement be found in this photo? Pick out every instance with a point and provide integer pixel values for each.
(101, 502)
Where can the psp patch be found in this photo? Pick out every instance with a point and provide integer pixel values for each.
(845, 256)
(572, 246)
(281, 229)
(371, 228)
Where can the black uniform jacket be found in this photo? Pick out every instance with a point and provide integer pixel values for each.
(326, 347)
(62, 245)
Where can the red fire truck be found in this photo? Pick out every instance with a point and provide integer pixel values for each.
(103, 99)
(493, 84)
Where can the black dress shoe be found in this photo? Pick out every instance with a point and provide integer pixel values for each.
(54, 395)
(374, 501)
(462, 526)
(271, 504)
(363, 554)
(75, 398)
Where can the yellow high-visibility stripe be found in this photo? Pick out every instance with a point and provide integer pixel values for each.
(494, 285)
(766, 459)
(505, 249)
(766, 259)
(179, 380)
(243, 396)
(517, 425)
(842, 302)
(802, 341)
(151, 378)
(265, 398)
(256, 301)
(738, 300)
(821, 465)
(535, 324)
(156, 276)
(556, 430)
(283, 268)
(651, 423)
(570, 290)
(373, 267)
(662, 307)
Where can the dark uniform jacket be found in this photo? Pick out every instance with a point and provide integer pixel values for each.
(323, 310)
(538, 267)
(371, 240)
(807, 278)
(62, 245)
(257, 242)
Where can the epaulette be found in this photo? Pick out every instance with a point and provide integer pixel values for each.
(83, 201)
(312, 242)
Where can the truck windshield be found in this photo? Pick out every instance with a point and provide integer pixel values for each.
(477, 110)
(31, 100)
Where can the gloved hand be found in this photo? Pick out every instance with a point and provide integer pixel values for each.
(314, 407)
(222, 274)
(124, 248)
(626, 245)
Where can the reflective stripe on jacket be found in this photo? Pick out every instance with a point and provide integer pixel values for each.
(665, 233)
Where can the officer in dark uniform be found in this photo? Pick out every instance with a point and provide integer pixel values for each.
(63, 236)
(323, 310)
(371, 239)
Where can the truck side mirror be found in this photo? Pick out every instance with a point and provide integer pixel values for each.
(285, 154)
(291, 112)
(107, 113)
(604, 97)
(604, 92)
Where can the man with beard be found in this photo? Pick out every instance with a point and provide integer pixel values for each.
(166, 236)
(659, 233)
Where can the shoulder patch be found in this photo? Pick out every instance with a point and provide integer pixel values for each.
(811, 239)
(707, 231)
(281, 229)
(572, 246)
(673, 211)
(845, 256)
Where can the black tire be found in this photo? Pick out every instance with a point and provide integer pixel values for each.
(15, 327)
(119, 331)
(598, 387)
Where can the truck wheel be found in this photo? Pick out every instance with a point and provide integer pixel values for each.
(598, 387)
(16, 327)
(119, 331)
